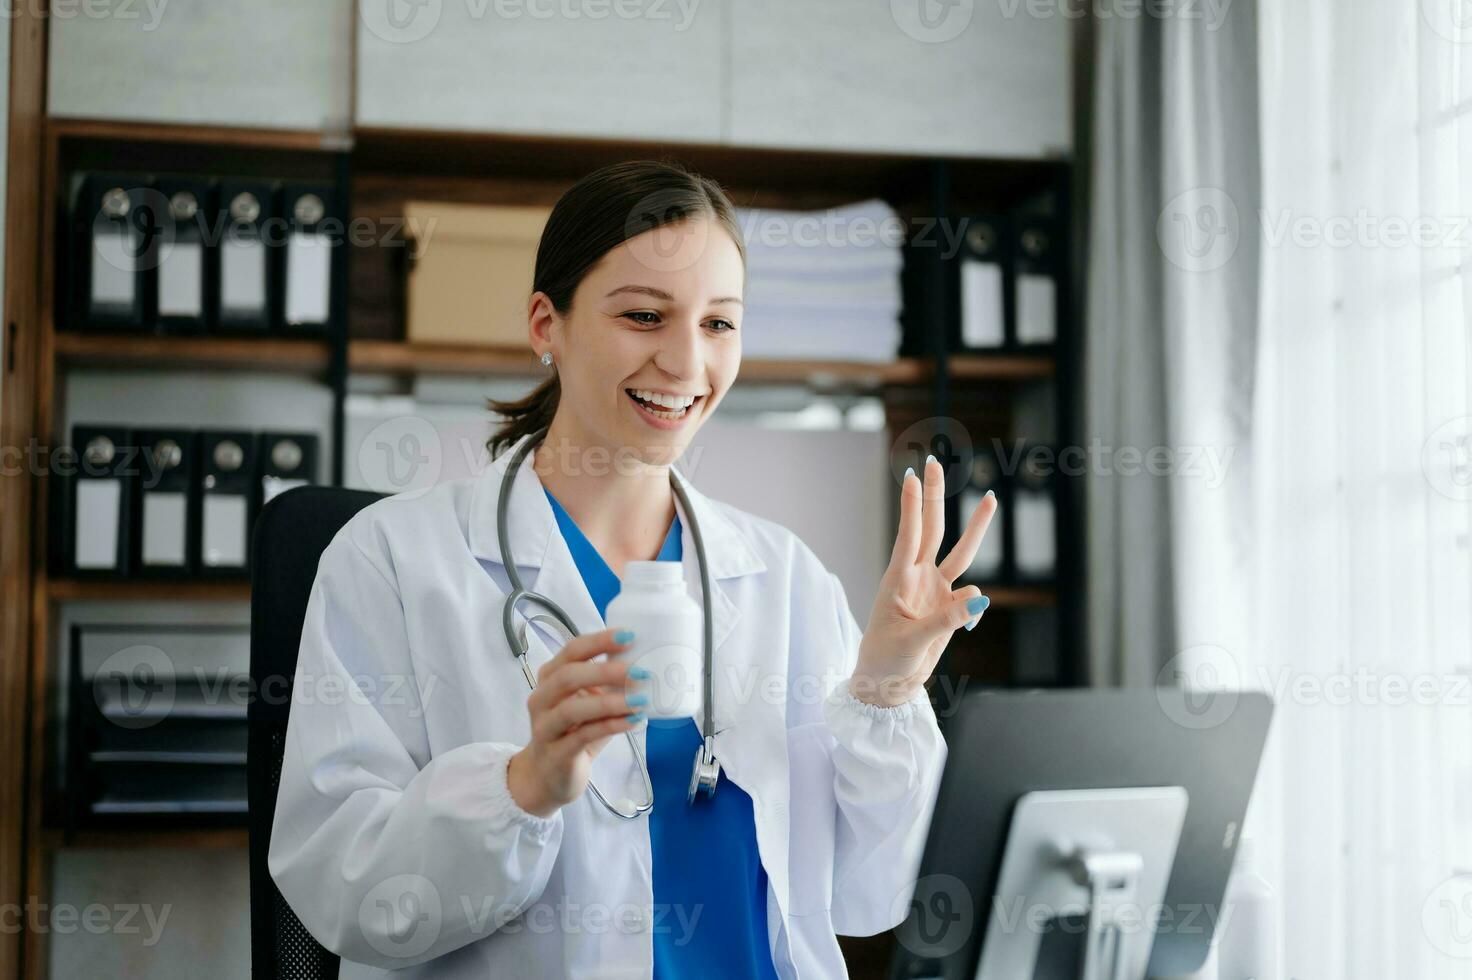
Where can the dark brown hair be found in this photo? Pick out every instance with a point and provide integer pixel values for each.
(601, 211)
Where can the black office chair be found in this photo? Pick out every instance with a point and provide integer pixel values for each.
(291, 533)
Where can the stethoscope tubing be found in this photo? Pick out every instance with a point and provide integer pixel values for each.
(707, 770)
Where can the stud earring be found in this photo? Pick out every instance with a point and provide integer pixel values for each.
(547, 359)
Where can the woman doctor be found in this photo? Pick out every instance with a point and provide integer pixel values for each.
(433, 816)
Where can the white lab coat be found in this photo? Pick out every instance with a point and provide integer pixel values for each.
(395, 839)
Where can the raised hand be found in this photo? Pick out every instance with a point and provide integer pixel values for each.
(916, 610)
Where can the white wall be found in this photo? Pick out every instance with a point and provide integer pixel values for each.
(974, 79)
(849, 75)
(473, 70)
(271, 63)
(829, 488)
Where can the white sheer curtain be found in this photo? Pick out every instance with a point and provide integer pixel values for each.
(1362, 447)
(1302, 313)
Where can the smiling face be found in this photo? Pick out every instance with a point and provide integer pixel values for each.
(652, 341)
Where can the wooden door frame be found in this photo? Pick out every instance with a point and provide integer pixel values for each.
(19, 426)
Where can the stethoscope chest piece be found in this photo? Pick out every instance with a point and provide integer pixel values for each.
(706, 773)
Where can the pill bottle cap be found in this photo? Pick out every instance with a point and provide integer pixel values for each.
(653, 575)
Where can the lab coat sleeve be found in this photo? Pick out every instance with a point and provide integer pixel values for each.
(887, 764)
(389, 856)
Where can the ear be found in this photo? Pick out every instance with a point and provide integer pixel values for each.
(541, 318)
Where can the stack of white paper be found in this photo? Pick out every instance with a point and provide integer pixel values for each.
(823, 284)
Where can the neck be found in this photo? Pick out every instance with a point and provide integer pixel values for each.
(624, 508)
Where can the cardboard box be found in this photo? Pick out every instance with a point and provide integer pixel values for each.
(471, 274)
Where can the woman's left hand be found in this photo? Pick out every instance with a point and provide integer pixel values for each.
(916, 610)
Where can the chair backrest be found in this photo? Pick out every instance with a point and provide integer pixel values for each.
(290, 535)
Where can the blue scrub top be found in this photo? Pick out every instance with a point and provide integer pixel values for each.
(710, 890)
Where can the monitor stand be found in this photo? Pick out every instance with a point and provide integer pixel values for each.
(1082, 882)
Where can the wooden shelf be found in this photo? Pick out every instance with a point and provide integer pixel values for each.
(979, 367)
(1016, 597)
(224, 838)
(753, 175)
(215, 353)
(210, 136)
(145, 590)
(394, 357)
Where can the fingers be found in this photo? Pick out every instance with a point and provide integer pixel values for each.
(952, 615)
(558, 684)
(907, 537)
(959, 558)
(586, 734)
(553, 724)
(933, 518)
(581, 648)
(574, 690)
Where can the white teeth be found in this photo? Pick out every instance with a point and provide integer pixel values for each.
(673, 413)
(674, 402)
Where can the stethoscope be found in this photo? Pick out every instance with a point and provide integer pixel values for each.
(706, 772)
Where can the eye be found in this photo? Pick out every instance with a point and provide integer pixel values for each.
(636, 314)
(727, 324)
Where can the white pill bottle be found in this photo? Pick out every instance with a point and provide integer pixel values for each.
(668, 637)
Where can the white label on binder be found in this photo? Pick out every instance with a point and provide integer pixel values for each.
(308, 277)
(987, 562)
(114, 266)
(164, 521)
(224, 530)
(242, 274)
(272, 485)
(181, 280)
(982, 319)
(98, 523)
(1037, 309)
(1036, 549)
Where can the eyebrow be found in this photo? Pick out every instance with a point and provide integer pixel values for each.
(661, 294)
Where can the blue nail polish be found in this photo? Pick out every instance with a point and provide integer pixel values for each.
(972, 625)
(909, 472)
(639, 674)
(930, 459)
(623, 636)
(978, 604)
(636, 717)
(637, 700)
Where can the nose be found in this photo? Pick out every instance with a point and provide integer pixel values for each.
(681, 353)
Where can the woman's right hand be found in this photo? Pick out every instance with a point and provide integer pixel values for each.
(579, 704)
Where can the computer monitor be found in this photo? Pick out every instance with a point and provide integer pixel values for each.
(1004, 746)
